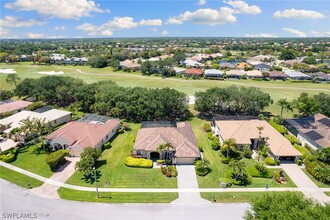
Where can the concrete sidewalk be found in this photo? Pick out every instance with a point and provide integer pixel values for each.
(61, 175)
(187, 180)
(303, 182)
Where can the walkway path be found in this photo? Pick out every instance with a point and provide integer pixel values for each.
(61, 175)
(82, 188)
(304, 183)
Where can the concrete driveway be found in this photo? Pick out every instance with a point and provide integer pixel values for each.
(61, 175)
(303, 182)
(187, 180)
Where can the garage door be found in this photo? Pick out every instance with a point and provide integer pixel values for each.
(185, 161)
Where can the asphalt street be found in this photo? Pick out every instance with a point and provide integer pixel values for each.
(17, 203)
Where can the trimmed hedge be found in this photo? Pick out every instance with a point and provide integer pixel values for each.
(292, 139)
(121, 131)
(9, 155)
(107, 145)
(56, 158)
(207, 128)
(215, 144)
(210, 136)
(278, 127)
(138, 162)
(270, 161)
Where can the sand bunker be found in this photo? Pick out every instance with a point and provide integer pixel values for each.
(51, 73)
(7, 71)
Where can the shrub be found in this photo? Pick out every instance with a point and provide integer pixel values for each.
(126, 127)
(138, 162)
(35, 106)
(278, 127)
(107, 145)
(163, 170)
(301, 150)
(310, 149)
(9, 155)
(160, 161)
(299, 162)
(224, 182)
(247, 153)
(278, 120)
(224, 159)
(56, 158)
(276, 176)
(173, 171)
(169, 171)
(277, 162)
(292, 139)
(207, 128)
(270, 161)
(201, 168)
(215, 144)
(121, 131)
(210, 136)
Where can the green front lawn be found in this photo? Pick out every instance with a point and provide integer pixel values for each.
(114, 171)
(218, 168)
(18, 178)
(108, 197)
(227, 197)
(327, 193)
(30, 160)
(318, 183)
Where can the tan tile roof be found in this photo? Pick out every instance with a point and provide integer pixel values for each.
(245, 130)
(181, 137)
(84, 134)
(194, 71)
(235, 72)
(13, 106)
(253, 73)
(242, 65)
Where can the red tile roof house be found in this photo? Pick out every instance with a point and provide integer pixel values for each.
(194, 72)
(76, 136)
(14, 107)
(180, 135)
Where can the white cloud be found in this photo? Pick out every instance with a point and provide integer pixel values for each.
(41, 35)
(264, 35)
(152, 22)
(118, 23)
(154, 29)
(165, 33)
(209, 16)
(65, 9)
(11, 21)
(205, 16)
(201, 2)
(242, 7)
(319, 34)
(6, 33)
(298, 14)
(60, 28)
(295, 32)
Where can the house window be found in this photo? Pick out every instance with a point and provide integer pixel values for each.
(138, 152)
(55, 122)
(107, 137)
(113, 130)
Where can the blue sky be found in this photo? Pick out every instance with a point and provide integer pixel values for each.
(154, 18)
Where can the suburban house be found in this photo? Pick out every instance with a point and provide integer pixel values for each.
(57, 58)
(245, 132)
(23, 58)
(262, 67)
(277, 75)
(191, 63)
(79, 60)
(226, 65)
(77, 135)
(13, 106)
(242, 66)
(194, 72)
(155, 133)
(54, 117)
(320, 76)
(313, 130)
(253, 74)
(130, 64)
(179, 70)
(235, 74)
(213, 73)
(296, 75)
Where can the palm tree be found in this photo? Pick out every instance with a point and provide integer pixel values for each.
(230, 144)
(282, 103)
(40, 125)
(289, 107)
(167, 150)
(238, 168)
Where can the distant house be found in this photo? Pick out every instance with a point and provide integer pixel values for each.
(78, 135)
(213, 73)
(226, 66)
(23, 58)
(79, 60)
(194, 72)
(320, 76)
(245, 132)
(68, 61)
(179, 70)
(191, 63)
(313, 130)
(179, 134)
(277, 75)
(235, 74)
(253, 74)
(13, 106)
(296, 75)
(129, 64)
(57, 58)
(242, 66)
(262, 67)
(54, 117)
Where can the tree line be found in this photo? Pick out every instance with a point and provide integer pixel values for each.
(106, 98)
